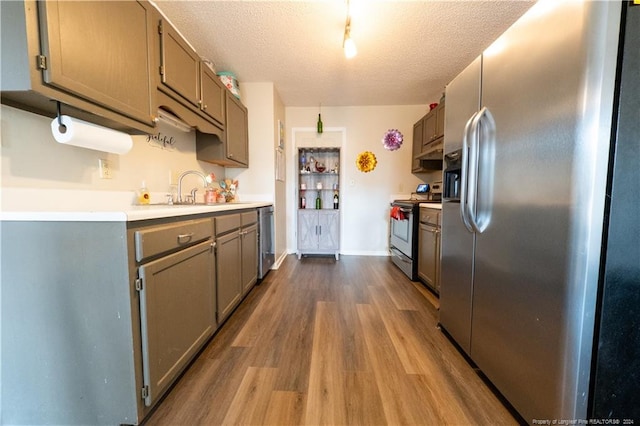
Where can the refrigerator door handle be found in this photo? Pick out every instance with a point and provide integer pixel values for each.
(485, 148)
(472, 178)
(464, 175)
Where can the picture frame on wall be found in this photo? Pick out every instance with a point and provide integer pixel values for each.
(280, 164)
(280, 134)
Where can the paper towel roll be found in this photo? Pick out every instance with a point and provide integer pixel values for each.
(88, 135)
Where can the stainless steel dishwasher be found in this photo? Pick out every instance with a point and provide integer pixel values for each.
(266, 241)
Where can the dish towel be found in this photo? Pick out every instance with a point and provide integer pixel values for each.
(396, 213)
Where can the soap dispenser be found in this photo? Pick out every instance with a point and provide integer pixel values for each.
(143, 194)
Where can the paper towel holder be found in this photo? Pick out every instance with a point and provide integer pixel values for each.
(61, 127)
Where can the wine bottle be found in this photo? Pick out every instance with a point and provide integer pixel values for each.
(335, 201)
(318, 202)
(319, 124)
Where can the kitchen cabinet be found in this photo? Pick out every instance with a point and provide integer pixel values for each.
(237, 132)
(186, 87)
(179, 65)
(237, 259)
(93, 57)
(249, 256)
(229, 278)
(318, 189)
(429, 248)
(434, 124)
(212, 94)
(230, 149)
(177, 298)
(113, 311)
(318, 232)
(184, 77)
(428, 141)
(418, 135)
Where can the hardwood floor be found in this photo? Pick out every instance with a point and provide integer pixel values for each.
(319, 341)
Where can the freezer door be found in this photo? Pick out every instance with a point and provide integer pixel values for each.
(456, 279)
(548, 82)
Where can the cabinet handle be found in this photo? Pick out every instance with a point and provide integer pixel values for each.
(185, 236)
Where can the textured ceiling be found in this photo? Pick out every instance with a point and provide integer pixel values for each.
(407, 50)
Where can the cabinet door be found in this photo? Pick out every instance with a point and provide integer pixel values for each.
(176, 312)
(237, 137)
(228, 273)
(429, 130)
(212, 94)
(428, 256)
(249, 257)
(307, 230)
(328, 230)
(417, 145)
(101, 52)
(179, 64)
(439, 131)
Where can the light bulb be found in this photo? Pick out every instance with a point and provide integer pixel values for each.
(350, 49)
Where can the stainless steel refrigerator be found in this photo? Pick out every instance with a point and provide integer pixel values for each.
(532, 135)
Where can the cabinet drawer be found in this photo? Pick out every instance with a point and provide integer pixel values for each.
(164, 238)
(430, 216)
(247, 218)
(227, 223)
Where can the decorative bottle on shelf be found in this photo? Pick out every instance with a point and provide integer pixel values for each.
(319, 124)
(335, 201)
(303, 202)
(318, 202)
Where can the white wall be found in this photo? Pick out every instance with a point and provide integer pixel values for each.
(31, 158)
(259, 180)
(364, 197)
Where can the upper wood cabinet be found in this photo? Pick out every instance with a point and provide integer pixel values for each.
(212, 97)
(428, 138)
(416, 164)
(434, 124)
(232, 149)
(94, 57)
(179, 65)
(187, 87)
(237, 137)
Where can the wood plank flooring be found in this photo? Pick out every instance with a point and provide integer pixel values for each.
(319, 341)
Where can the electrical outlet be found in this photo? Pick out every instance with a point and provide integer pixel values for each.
(173, 177)
(104, 166)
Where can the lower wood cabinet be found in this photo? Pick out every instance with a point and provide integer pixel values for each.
(117, 314)
(228, 277)
(249, 257)
(177, 300)
(429, 248)
(237, 259)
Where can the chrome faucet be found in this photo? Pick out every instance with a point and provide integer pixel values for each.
(193, 192)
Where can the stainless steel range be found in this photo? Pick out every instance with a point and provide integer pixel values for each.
(404, 224)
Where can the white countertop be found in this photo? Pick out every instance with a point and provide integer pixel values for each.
(28, 204)
(432, 205)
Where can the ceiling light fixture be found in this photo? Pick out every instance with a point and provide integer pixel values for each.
(348, 44)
